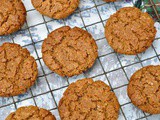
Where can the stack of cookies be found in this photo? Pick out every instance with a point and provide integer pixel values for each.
(71, 51)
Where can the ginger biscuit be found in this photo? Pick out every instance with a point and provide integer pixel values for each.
(18, 70)
(69, 51)
(88, 100)
(130, 31)
(144, 89)
(31, 113)
(57, 9)
(109, 0)
(12, 16)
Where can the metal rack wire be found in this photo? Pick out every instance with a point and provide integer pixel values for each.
(154, 6)
(104, 73)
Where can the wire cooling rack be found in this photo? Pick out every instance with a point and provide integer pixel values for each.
(112, 68)
(153, 7)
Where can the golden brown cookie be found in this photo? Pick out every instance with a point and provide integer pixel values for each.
(31, 113)
(144, 89)
(130, 31)
(109, 0)
(57, 9)
(69, 51)
(88, 100)
(18, 70)
(12, 16)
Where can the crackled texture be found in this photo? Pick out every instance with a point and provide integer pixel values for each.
(130, 31)
(12, 16)
(18, 70)
(88, 100)
(144, 89)
(31, 113)
(68, 51)
(57, 9)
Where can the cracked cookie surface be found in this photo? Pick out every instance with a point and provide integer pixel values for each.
(57, 9)
(31, 113)
(69, 51)
(12, 16)
(130, 31)
(18, 70)
(144, 89)
(88, 100)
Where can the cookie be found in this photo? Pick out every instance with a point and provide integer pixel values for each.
(57, 9)
(12, 16)
(130, 31)
(69, 51)
(144, 89)
(109, 0)
(88, 100)
(18, 70)
(31, 113)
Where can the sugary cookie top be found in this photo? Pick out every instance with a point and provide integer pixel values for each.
(130, 31)
(144, 89)
(18, 70)
(88, 100)
(31, 113)
(12, 16)
(69, 51)
(57, 9)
